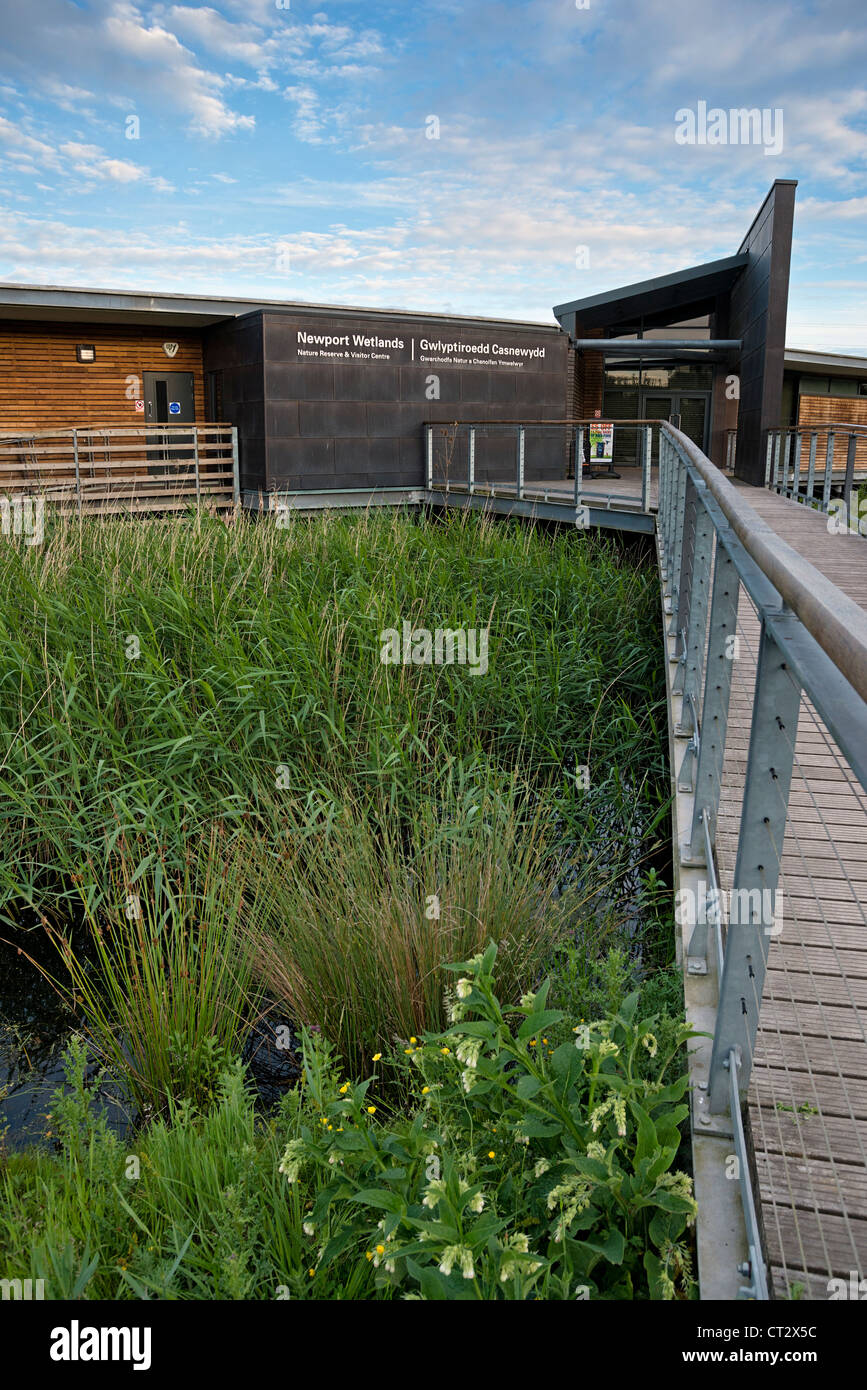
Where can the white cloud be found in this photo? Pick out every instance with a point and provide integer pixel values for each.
(71, 157)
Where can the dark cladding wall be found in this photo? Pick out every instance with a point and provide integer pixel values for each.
(233, 350)
(757, 315)
(350, 413)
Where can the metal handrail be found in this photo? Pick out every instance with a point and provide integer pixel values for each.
(837, 623)
(535, 424)
(813, 642)
(821, 426)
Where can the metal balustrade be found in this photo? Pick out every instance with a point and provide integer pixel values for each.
(821, 467)
(542, 460)
(764, 643)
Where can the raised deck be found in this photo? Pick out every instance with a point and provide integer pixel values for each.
(765, 799)
(807, 1103)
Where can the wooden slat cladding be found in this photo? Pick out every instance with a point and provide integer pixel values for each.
(42, 386)
(814, 412)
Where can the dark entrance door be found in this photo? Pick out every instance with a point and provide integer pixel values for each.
(690, 410)
(170, 400)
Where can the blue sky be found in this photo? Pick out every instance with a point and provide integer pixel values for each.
(283, 149)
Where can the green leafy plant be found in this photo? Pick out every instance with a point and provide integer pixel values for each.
(529, 1171)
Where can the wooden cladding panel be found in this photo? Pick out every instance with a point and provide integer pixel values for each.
(43, 387)
(814, 412)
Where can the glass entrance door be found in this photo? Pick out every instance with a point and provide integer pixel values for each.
(657, 407)
(690, 407)
(693, 418)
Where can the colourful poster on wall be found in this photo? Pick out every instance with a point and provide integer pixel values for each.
(601, 443)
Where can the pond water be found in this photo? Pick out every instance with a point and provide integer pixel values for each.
(35, 1028)
(36, 1024)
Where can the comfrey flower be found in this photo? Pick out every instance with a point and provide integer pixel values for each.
(463, 988)
(541, 1167)
(596, 1150)
(681, 1184)
(649, 1041)
(512, 1263)
(457, 1254)
(573, 1196)
(476, 1203)
(527, 1001)
(608, 1049)
(292, 1160)
(598, 1115)
(467, 1051)
(436, 1190)
(468, 1079)
(455, 1011)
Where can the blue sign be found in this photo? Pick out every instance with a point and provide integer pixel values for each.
(174, 407)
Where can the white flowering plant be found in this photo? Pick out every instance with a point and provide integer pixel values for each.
(526, 1169)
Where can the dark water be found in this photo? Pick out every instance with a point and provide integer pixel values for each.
(618, 852)
(36, 1024)
(35, 1028)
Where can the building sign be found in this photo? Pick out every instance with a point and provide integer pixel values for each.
(440, 350)
(139, 407)
(601, 443)
(174, 407)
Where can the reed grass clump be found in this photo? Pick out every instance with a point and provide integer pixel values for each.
(197, 714)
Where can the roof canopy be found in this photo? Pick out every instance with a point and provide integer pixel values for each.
(682, 290)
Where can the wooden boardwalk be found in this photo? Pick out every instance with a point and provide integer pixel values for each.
(807, 1103)
(806, 1109)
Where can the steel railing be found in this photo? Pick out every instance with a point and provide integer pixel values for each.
(526, 459)
(763, 641)
(810, 465)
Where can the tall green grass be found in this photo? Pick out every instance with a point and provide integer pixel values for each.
(360, 917)
(257, 648)
(165, 682)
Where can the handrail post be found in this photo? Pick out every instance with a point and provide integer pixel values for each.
(787, 451)
(688, 532)
(645, 476)
(671, 497)
(678, 521)
(662, 502)
(715, 706)
(774, 728)
(428, 454)
(796, 485)
(849, 483)
(829, 468)
(768, 453)
(519, 477)
(579, 465)
(811, 466)
(667, 452)
(471, 460)
(236, 472)
(698, 580)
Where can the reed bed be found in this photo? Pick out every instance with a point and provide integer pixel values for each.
(197, 712)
